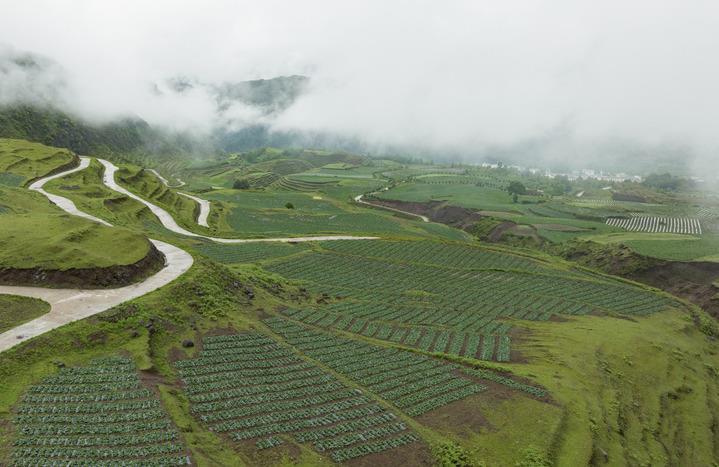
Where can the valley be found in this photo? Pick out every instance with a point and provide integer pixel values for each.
(319, 308)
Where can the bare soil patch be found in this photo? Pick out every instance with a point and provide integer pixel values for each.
(689, 280)
(436, 211)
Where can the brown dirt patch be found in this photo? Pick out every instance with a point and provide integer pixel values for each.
(436, 211)
(690, 280)
(498, 232)
(414, 454)
(461, 417)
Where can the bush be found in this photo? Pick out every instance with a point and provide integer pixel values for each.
(454, 455)
(241, 184)
(290, 206)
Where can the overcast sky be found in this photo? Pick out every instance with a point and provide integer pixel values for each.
(441, 74)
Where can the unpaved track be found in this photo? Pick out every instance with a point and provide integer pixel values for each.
(69, 305)
(169, 222)
(164, 180)
(361, 201)
(64, 203)
(204, 208)
(204, 204)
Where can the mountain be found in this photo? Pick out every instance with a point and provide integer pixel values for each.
(268, 96)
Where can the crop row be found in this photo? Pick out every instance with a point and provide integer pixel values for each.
(678, 225)
(376, 366)
(425, 338)
(98, 414)
(251, 399)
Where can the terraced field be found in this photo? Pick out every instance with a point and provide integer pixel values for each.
(98, 415)
(449, 298)
(413, 383)
(249, 252)
(657, 224)
(257, 391)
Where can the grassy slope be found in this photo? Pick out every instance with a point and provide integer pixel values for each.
(620, 386)
(636, 392)
(61, 241)
(15, 310)
(667, 246)
(35, 233)
(147, 185)
(30, 160)
(86, 190)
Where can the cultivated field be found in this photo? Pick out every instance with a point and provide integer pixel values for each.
(255, 390)
(449, 298)
(100, 414)
(657, 224)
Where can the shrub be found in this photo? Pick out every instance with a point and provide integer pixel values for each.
(241, 184)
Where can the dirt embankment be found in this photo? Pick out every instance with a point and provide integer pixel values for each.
(436, 211)
(86, 278)
(690, 280)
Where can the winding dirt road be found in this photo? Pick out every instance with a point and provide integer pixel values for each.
(69, 305)
(204, 208)
(204, 204)
(64, 203)
(169, 222)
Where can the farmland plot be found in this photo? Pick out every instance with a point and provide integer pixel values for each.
(429, 288)
(256, 390)
(414, 383)
(95, 415)
(657, 224)
(425, 338)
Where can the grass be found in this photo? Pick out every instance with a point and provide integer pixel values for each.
(61, 242)
(21, 161)
(151, 188)
(674, 247)
(37, 234)
(639, 390)
(87, 191)
(594, 368)
(635, 392)
(16, 310)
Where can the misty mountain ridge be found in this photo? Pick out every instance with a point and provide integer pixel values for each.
(34, 105)
(271, 96)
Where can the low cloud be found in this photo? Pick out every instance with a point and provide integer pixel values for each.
(563, 80)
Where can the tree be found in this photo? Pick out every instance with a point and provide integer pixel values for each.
(290, 206)
(514, 197)
(241, 184)
(516, 188)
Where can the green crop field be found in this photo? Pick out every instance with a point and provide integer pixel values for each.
(95, 415)
(252, 389)
(446, 298)
(249, 252)
(431, 345)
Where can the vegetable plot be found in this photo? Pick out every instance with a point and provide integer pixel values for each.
(412, 382)
(95, 415)
(252, 388)
(657, 224)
